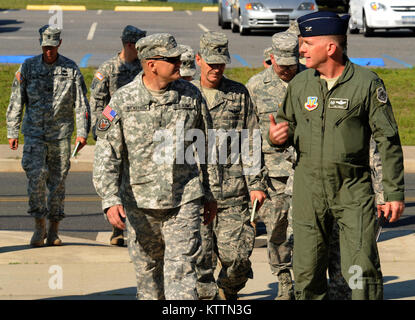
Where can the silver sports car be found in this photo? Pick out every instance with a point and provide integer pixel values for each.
(248, 15)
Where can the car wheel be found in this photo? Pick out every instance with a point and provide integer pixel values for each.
(242, 31)
(220, 21)
(234, 27)
(352, 28)
(367, 31)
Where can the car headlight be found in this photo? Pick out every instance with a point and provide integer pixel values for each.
(254, 6)
(307, 6)
(376, 6)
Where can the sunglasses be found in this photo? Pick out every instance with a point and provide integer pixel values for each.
(291, 67)
(167, 59)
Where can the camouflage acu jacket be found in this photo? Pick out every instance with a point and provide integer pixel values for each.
(232, 110)
(142, 154)
(110, 76)
(51, 94)
(267, 92)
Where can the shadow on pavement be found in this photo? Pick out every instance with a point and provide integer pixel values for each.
(269, 294)
(119, 294)
(399, 290)
(388, 235)
(65, 244)
(7, 22)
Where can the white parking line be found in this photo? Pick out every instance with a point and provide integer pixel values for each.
(6, 11)
(189, 12)
(201, 26)
(92, 31)
(99, 11)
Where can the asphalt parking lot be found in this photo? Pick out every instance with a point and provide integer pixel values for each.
(91, 37)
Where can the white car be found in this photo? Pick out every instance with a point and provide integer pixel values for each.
(370, 15)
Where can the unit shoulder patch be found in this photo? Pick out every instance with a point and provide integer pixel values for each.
(381, 95)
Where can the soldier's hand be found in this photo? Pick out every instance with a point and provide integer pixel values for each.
(82, 140)
(14, 144)
(209, 212)
(259, 195)
(394, 209)
(278, 132)
(116, 215)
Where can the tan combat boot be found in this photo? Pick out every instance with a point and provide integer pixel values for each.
(117, 237)
(285, 286)
(38, 238)
(223, 295)
(52, 238)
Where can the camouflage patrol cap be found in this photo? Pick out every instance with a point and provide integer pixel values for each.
(49, 36)
(159, 44)
(267, 52)
(285, 48)
(294, 29)
(132, 34)
(214, 48)
(188, 67)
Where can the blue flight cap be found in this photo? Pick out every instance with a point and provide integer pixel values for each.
(323, 23)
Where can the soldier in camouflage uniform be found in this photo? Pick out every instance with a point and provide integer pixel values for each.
(267, 90)
(110, 76)
(267, 58)
(232, 236)
(160, 198)
(52, 89)
(188, 67)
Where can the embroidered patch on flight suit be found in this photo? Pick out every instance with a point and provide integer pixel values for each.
(311, 103)
(382, 95)
(99, 76)
(339, 103)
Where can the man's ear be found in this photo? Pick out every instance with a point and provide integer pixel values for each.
(331, 48)
(198, 60)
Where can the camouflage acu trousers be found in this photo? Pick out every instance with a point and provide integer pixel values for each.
(46, 164)
(274, 213)
(163, 246)
(232, 238)
(338, 289)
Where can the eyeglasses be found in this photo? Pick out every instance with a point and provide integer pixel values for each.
(290, 67)
(167, 59)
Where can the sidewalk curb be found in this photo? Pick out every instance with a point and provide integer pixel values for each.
(48, 7)
(142, 9)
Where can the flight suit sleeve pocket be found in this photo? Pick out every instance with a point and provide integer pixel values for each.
(385, 122)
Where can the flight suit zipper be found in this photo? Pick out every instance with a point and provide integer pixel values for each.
(323, 120)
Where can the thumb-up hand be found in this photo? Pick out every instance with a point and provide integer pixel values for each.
(278, 132)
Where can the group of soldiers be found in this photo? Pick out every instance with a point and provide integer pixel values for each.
(184, 219)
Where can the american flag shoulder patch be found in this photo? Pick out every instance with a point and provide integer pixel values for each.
(109, 113)
(99, 76)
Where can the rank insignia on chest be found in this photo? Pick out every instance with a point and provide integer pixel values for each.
(109, 113)
(311, 103)
(103, 124)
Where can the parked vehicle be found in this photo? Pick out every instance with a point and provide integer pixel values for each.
(248, 15)
(224, 13)
(370, 15)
